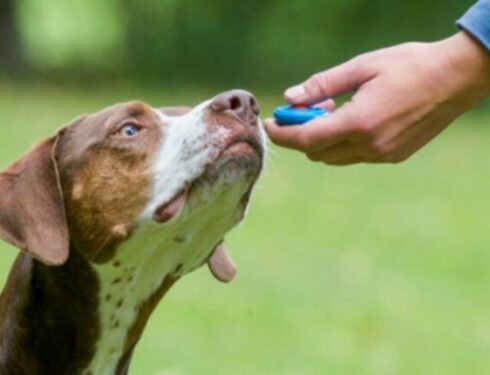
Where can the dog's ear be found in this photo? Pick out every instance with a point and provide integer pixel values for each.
(32, 212)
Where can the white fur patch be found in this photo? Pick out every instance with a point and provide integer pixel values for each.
(157, 251)
(186, 149)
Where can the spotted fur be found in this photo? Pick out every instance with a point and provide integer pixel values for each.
(105, 189)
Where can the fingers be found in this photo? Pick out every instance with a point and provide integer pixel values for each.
(350, 161)
(345, 150)
(310, 137)
(332, 82)
(328, 105)
(315, 135)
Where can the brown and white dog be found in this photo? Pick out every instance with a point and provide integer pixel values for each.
(109, 213)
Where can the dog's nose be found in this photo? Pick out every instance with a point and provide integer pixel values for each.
(242, 103)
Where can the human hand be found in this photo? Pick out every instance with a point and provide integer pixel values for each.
(404, 96)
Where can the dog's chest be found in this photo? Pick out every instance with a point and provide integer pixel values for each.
(141, 272)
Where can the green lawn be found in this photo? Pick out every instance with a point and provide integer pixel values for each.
(360, 270)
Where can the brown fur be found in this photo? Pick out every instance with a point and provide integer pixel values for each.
(33, 215)
(107, 184)
(70, 202)
(48, 316)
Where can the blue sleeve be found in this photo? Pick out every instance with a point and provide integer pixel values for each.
(476, 21)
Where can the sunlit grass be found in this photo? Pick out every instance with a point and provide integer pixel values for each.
(361, 270)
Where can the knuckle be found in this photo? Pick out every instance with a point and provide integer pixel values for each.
(361, 124)
(306, 142)
(378, 149)
(318, 78)
(362, 129)
(387, 154)
(363, 62)
(317, 83)
(388, 159)
(356, 126)
(359, 60)
(396, 159)
(382, 152)
(343, 162)
(314, 157)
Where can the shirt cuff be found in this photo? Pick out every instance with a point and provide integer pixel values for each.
(476, 21)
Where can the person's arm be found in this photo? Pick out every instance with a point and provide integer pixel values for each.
(404, 96)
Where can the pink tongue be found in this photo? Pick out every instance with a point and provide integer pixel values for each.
(168, 210)
(221, 265)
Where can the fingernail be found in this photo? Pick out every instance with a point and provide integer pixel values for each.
(295, 92)
(267, 123)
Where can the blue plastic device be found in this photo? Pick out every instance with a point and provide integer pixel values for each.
(289, 115)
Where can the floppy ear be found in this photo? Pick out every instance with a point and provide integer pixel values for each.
(32, 212)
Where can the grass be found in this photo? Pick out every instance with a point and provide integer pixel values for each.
(360, 270)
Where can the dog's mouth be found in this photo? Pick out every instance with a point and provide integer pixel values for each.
(242, 147)
(170, 209)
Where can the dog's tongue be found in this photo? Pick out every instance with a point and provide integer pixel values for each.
(221, 265)
(168, 210)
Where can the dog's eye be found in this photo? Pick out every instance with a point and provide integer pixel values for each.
(129, 130)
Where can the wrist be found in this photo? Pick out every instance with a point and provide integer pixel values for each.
(468, 64)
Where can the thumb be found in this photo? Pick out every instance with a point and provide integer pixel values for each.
(332, 82)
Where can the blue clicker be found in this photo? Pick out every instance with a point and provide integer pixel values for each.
(291, 115)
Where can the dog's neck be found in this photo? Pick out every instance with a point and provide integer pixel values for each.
(87, 318)
(140, 274)
(83, 318)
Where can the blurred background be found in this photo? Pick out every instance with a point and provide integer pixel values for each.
(359, 270)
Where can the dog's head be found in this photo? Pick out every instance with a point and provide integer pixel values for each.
(131, 168)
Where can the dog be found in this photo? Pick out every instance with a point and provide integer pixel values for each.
(108, 214)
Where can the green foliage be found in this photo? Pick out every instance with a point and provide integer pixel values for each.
(221, 41)
(73, 34)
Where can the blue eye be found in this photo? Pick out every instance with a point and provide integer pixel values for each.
(130, 130)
